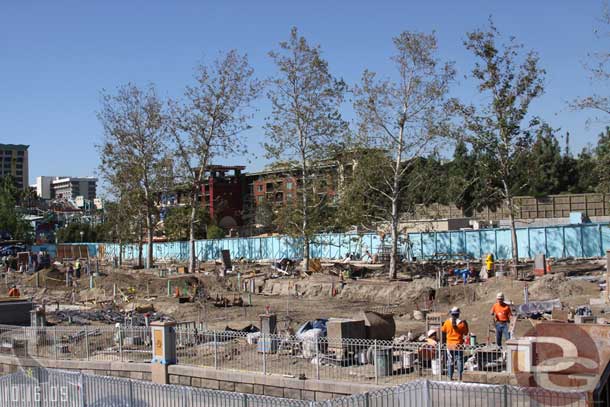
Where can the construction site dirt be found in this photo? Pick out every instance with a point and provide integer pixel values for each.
(217, 302)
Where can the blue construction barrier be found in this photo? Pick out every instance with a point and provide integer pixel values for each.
(562, 241)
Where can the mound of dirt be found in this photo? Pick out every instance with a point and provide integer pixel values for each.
(559, 286)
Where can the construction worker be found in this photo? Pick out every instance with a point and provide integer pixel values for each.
(14, 292)
(501, 314)
(454, 329)
(427, 352)
(77, 269)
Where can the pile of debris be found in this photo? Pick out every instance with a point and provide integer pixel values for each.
(105, 316)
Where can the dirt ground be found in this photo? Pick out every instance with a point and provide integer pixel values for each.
(320, 295)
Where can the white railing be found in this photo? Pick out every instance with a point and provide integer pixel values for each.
(94, 343)
(352, 360)
(53, 388)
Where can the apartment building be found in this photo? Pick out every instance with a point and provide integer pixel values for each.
(14, 163)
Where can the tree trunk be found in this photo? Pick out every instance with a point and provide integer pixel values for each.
(192, 259)
(395, 197)
(120, 252)
(394, 248)
(149, 232)
(513, 236)
(140, 244)
(304, 224)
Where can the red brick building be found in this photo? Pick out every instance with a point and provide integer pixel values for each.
(223, 194)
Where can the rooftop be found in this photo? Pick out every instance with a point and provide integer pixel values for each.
(14, 147)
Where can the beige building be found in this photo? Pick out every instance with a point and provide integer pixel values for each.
(14, 163)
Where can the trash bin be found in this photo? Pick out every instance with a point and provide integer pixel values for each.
(383, 361)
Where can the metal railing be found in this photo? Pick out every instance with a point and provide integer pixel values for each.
(44, 387)
(304, 356)
(351, 360)
(95, 343)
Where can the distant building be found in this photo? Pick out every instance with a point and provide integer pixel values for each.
(52, 187)
(14, 163)
(223, 194)
(43, 186)
(71, 187)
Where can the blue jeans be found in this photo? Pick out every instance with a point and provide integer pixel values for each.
(501, 331)
(455, 357)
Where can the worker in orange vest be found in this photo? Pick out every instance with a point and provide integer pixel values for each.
(14, 292)
(502, 315)
(454, 329)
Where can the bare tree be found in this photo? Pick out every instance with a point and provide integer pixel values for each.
(209, 123)
(497, 127)
(598, 69)
(404, 117)
(133, 149)
(304, 121)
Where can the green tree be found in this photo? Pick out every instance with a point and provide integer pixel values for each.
(404, 116)
(133, 152)
(11, 221)
(209, 124)
(304, 122)
(602, 161)
(508, 82)
(544, 163)
(177, 223)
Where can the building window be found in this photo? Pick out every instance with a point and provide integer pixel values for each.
(260, 188)
(289, 185)
(260, 199)
(289, 196)
(19, 152)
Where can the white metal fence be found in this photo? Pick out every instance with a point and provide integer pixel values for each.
(45, 387)
(352, 360)
(95, 343)
(69, 389)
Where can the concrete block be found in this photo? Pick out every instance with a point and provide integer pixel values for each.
(244, 388)
(173, 379)
(294, 394)
(273, 391)
(185, 380)
(196, 382)
(147, 376)
(226, 386)
(322, 396)
(257, 389)
(308, 395)
(137, 375)
(160, 375)
(210, 384)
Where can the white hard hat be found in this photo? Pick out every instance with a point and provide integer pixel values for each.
(454, 310)
(500, 296)
(431, 332)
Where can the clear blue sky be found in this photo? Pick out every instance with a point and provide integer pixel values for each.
(56, 56)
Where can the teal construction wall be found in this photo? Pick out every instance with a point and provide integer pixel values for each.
(585, 240)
